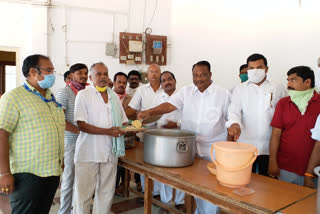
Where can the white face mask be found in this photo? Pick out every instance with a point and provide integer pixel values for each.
(256, 75)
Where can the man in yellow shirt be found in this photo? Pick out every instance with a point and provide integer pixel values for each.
(31, 139)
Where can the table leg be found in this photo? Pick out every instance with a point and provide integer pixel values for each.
(126, 182)
(190, 204)
(148, 188)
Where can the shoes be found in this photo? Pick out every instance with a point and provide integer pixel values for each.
(181, 207)
(163, 211)
(157, 197)
(120, 190)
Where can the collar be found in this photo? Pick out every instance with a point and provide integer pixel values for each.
(251, 83)
(48, 91)
(164, 94)
(148, 85)
(209, 90)
(97, 92)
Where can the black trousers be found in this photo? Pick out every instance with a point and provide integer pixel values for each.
(262, 162)
(121, 175)
(33, 194)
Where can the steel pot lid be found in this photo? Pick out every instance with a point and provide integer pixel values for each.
(171, 133)
(230, 146)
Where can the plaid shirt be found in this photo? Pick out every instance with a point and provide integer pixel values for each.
(36, 132)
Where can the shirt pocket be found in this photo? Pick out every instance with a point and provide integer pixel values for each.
(212, 116)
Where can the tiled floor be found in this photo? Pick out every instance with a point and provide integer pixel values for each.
(121, 205)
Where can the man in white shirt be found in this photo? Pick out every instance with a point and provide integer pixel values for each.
(204, 109)
(120, 81)
(98, 113)
(144, 99)
(169, 121)
(251, 110)
(134, 79)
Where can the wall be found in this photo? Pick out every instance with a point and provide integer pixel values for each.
(223, 32)
(90, 25)
(23, 30)
(227, 32)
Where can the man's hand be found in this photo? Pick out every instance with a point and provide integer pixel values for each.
(274, 170)
(234, 131)
(7, 184)
(143, 115)
(308, 182)
(171, 125)
(115, 132)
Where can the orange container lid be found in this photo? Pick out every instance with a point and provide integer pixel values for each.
(230, 146)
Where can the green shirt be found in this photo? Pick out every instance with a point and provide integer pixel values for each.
(36, 132)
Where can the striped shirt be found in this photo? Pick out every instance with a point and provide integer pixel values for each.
(36, 132)
(66, 98)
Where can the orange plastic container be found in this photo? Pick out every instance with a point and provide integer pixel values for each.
(233, 164)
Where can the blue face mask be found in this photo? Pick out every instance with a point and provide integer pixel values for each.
(47, 82)
(243, 77)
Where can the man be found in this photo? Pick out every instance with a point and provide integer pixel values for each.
(67, 77)
(99, 114)
(134, 79)
(120, 83)
(120, 80)
(143, 99)
(291, 144)
(31, 133)
(251, 110)
(169, 121)
(204, 109)
(243, 73)
(67, 96)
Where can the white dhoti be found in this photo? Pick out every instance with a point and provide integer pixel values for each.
(166, 194)
(98, 178)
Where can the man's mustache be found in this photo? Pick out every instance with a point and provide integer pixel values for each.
(290, 88)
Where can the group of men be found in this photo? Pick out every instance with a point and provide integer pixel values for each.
(78, 129)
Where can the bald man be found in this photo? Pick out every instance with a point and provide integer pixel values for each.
(144, 99)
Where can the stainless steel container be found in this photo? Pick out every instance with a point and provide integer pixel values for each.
(169, 147)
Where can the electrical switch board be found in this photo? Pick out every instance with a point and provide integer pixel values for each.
(131, 48)
(156, 49)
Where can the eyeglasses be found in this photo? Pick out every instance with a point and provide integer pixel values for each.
(47, 70)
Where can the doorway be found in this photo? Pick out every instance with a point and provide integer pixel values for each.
(8, 71)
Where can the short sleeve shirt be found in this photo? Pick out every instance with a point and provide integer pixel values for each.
(296, 143)
(66, 98)
(36, 127)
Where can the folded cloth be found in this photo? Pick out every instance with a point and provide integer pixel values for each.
(118, 147)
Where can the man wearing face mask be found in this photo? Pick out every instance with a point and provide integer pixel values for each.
(99, 115)
(251, 110)
(243, 73)
(67, 96)
(31, 135)
(291, 142)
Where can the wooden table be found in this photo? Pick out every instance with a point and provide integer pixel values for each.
(307, 205)
(270, 195)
